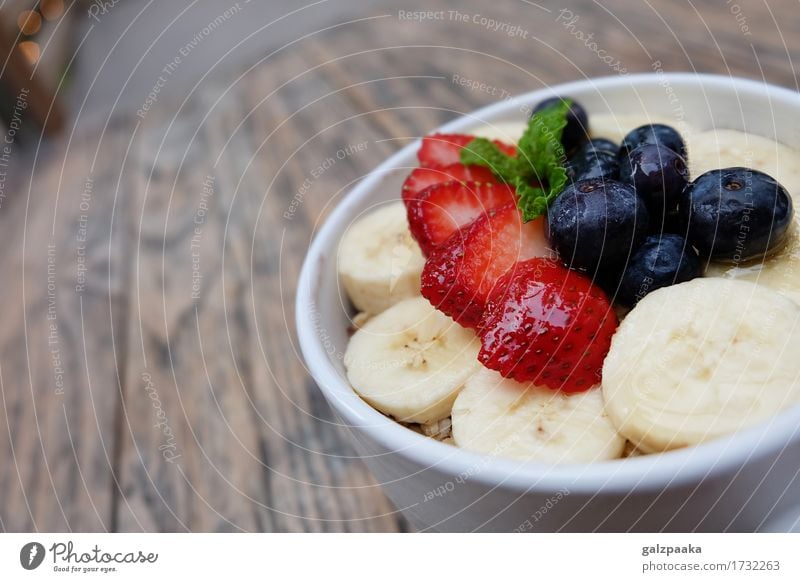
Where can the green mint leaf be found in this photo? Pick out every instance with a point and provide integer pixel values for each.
(532, 200)
(556, 181)
(483, 152)
(540, 159)
(539, 149)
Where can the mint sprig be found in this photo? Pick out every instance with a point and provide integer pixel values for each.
(537, 171)
(483, 152)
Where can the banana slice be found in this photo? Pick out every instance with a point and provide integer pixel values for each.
(701, 359)
(501, 417)
(411, 361)
(379, 262)
(720, 148)
(723, 148)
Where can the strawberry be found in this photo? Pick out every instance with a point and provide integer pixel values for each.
(460, 274)
(507, 148)
(443, 208)
(442, 149)
(549, 325)
(422, 178)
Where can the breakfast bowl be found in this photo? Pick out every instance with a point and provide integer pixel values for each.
(745, 481)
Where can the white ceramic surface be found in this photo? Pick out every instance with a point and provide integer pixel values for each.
(745, 482)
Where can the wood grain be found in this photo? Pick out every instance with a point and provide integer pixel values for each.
(185, 404)
(59, 375)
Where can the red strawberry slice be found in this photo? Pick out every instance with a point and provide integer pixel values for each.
(549, 325)
(422, 178)
(442, 209)
(443, 149)
(507, 148)
(460, 274)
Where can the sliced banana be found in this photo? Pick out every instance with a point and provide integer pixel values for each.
(721, 148)
(779, 271)
(379, 262)
(359, 320)
(501, 417)
(702, 359)
(411, 361)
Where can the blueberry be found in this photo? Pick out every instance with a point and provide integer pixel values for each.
(735, 214)
(577, 128)
(658, 175)
(595, 225)
(594, 159)
(598, 144)
(673, 223)
(662, 260)
(594, 164)
(655, 133)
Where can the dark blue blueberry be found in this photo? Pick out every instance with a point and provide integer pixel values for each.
(673, 223)
(736, 214)
(661, 261)
(596, 225)
(577, 128)
(655, 133)
(658, 175)
(596, 164)
(597, 144)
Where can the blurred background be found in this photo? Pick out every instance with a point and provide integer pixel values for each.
(162, 171)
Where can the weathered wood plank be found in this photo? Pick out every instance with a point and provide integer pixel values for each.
(190, 447)
(58, 367)
(315, 475)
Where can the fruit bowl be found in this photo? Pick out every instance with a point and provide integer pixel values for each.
(746, 481)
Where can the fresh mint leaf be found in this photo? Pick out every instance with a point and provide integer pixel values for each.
(483, 152)
(556, 182)
(532, 200)
(540, 159)
(539, 149)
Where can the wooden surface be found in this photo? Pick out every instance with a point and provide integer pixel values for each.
(182, 412)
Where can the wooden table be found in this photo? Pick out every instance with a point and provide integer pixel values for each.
(149, 371)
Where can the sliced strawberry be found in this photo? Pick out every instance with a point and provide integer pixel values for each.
(549, 325)
(507, 148)
(421, 178)
(460, 274)
(443, 208)
(442, 149)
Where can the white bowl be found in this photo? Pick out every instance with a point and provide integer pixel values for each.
(744, 482)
